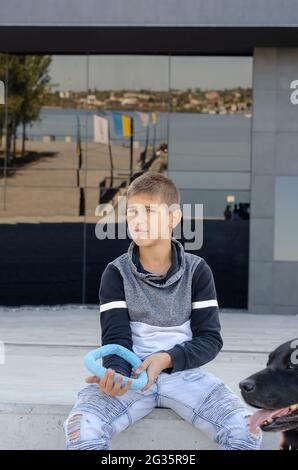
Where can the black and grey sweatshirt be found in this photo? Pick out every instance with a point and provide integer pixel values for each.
(176, 312)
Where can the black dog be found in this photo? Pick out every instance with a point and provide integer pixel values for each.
(275, 391)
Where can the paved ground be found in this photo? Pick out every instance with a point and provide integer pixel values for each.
(44, 350)
(46, 187)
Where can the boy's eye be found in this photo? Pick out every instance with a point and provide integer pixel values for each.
(130, 211)
(134, 211)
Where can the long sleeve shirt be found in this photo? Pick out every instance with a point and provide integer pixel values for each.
(176, 312)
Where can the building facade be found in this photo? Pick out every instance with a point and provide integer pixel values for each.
(266, 31)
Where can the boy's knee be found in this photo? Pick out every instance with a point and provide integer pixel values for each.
(85, 430)
(236, 434)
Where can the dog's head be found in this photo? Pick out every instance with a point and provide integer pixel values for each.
(275, 390)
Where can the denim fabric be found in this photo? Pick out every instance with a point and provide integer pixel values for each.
(195, 394)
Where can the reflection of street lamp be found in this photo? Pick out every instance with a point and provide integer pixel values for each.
(2, 93)
(69, 83)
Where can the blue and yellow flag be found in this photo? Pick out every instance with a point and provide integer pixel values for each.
(122, 124)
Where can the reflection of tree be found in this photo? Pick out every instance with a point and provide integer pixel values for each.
(27, 81)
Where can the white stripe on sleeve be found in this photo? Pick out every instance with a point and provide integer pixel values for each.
(204, 304)
(114, 304)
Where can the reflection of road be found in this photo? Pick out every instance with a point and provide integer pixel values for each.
(48, 186)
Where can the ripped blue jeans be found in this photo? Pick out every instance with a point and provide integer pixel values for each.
(195, 394)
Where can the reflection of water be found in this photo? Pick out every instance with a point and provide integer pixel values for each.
(191, 134)
(62, 122)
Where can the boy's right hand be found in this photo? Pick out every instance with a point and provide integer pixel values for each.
(106, 383)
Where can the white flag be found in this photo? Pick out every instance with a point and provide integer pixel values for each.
(101, 129)
(144, 118)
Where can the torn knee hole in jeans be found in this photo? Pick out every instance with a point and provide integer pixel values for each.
(74, 426)
(253, 433)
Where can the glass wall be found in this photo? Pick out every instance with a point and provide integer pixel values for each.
(209, 160)
(75, 130)
(286, 219)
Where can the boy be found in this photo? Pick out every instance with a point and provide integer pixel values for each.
(160, 302)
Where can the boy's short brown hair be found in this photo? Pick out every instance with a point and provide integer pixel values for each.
(156, 184)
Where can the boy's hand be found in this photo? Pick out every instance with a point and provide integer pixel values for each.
(154, 364)
(106, 383)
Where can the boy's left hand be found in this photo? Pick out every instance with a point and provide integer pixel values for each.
(154, 364)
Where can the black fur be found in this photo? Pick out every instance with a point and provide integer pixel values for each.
(276, 387)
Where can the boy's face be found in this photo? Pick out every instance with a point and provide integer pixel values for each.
(149, 219)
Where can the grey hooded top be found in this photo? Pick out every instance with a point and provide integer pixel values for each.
(176, 312)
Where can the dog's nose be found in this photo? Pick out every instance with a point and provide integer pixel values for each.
(247, 385)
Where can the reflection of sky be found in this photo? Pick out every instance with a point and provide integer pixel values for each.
(286, 218)
(135, 72)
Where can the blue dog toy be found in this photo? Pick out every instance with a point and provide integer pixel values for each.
(91, 364)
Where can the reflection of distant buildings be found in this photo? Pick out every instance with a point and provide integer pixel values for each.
(239, 212)
(90, 101)
(230, 101)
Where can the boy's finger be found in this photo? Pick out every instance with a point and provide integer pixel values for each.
(125, 388)
(110, 381)
(148, 385)
(151, 378)
(142, 367)
(92, 379)
(117, 385)
(105, 377)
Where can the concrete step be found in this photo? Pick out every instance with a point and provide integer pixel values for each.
(39, 427)
(43, 371)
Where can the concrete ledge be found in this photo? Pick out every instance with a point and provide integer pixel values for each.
(39, 427)
(44, 370)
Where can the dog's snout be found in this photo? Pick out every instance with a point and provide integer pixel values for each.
(247, 385)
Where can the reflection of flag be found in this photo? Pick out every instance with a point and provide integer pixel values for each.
(122, 125)
(153, 115)
(79, 144)
(126, 126)
(117, 123)
(144, 118)
(101, 129)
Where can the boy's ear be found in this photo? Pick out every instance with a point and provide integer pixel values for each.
(175, 217)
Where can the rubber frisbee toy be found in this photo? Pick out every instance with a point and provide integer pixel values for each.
(98, 370)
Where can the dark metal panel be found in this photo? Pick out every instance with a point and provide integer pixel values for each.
(144, 40)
